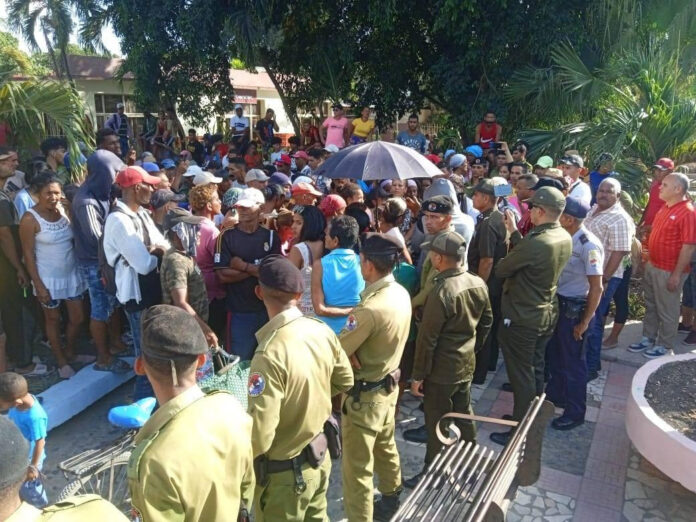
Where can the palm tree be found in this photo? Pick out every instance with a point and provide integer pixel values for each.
(52, 18)
(633, 94)
(31, 106)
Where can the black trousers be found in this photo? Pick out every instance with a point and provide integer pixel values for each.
(12, 311)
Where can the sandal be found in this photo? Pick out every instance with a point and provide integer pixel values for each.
(115, 366)
(66, 372)
(39, 370)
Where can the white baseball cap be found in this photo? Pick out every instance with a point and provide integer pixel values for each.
(250, 197)
(193, 170)
(205, 177)
(255, 175)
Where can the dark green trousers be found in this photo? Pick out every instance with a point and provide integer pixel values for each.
(446, 398)
(523, 351)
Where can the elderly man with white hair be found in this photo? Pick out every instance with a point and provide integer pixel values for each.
(615, 229)
(671, 245)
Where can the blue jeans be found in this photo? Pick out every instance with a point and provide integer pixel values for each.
(241, 334)
(596, 331)
(124, 146)
(143, 388)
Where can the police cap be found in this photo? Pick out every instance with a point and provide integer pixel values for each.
(278, 273)
(439, 205)
(380, 245)
(448, 243)
(548, 197)
(576, 208)
(169, 332)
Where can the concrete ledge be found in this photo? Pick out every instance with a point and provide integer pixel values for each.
(70, 397)
(666, 448)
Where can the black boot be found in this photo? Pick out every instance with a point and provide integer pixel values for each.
(386, 507)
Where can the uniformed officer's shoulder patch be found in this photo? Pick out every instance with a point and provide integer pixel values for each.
(137, 454)
(593, 257)
(351, 323)
(257, 383)
(583, 238)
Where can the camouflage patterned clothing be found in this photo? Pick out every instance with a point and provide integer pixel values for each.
(181, 271)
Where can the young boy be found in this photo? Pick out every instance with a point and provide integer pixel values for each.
(28, 415)
(277, 149)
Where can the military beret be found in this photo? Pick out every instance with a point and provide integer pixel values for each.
(278, 273)
(576, 208)
(486, 186)
(13, 454)
(449, 243)
(379, 245)
(548, 182)
(479, 161)
(179, 215)
(439, 205)
(548, 197)
(169, 332)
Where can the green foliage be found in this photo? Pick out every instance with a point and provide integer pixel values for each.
(35, 108)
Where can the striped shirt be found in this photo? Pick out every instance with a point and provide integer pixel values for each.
(673, 227)
(614, 228)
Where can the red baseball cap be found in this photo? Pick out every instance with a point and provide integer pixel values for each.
(134, 175)
(434, 158)
(305, 188)
(284, 159)
(664, 164)
(301, 154)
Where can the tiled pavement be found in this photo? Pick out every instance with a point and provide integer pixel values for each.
(589, 474)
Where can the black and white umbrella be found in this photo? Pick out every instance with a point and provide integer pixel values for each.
(376, 160)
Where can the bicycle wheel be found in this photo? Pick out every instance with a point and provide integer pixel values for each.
(109, 481)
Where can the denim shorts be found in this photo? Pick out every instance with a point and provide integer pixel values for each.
(102, 304)
(55, 303)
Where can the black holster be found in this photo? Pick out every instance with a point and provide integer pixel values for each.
(332, 430)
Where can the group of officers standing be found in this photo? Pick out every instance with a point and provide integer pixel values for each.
(200, 457)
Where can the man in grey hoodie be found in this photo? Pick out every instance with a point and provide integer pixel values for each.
(90, 207)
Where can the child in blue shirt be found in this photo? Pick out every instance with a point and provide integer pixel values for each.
(28, 415)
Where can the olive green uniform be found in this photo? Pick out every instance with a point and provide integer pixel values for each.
(490, 241)
(376, 333)
(456, 320)
(529, 308)
(192, 460)
(80, 508)
(298, 366)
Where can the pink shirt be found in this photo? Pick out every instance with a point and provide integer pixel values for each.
(334, 130)
(205, 258)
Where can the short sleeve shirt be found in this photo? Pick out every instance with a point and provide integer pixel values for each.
(362, 128)
(33, 423)
(615, 230)
(673, 227)
(239, 124)
(265, 129)
(414, 141)
(179, 271)
(334, 130)
(251, 248)
(587, 259)
(654, 203)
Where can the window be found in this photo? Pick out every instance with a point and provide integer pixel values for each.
(105, 106)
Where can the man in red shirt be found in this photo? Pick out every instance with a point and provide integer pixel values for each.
(672, 243)
(660, 169)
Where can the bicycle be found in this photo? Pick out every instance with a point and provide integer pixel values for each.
(104, 471)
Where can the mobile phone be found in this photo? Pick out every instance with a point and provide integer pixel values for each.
(502, 190)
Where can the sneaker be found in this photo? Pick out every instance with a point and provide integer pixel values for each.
(655, 352)
(644, 344)
(690, 339)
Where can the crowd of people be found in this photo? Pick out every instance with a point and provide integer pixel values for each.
(342, 294)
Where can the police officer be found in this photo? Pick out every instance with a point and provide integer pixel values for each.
(375, 334)
(298, 366)
(457, 318)
(579, 293)
(528, 307)
(190, 461)
(488, 246)
(13, 470)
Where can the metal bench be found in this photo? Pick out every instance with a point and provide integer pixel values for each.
(473, 483)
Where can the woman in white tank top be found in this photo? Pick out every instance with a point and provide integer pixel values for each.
(308, 225)
(47, 245)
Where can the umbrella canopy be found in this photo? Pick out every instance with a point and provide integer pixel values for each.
(378, 160)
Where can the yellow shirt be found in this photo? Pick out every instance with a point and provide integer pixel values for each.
(362, 128)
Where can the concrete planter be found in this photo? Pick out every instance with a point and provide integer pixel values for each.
(668, 450)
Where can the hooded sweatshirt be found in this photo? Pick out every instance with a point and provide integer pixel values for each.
(462, 223)
(92, 203)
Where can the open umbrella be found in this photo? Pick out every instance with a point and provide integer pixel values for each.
(378, 160)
